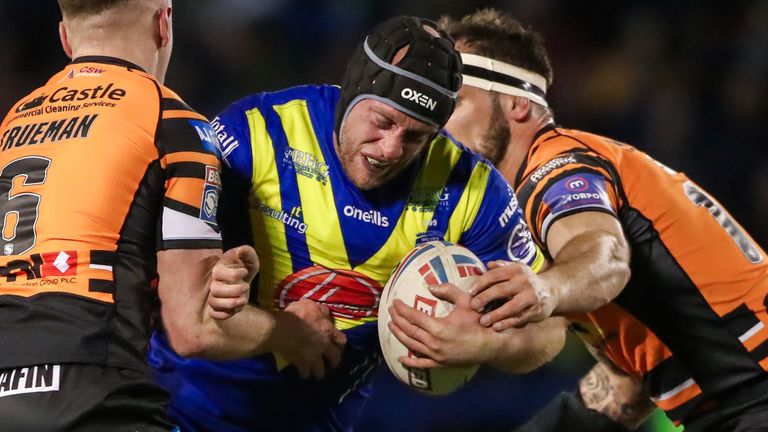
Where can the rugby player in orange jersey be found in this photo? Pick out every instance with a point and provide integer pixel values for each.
(107, 180)
(685, 331)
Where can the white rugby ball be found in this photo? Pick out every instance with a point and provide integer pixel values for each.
(431, 263)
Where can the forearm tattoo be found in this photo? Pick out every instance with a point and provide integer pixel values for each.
(616, 395)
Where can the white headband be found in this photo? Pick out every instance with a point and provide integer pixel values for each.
(493, 75)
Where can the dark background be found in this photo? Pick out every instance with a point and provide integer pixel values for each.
(685, 81)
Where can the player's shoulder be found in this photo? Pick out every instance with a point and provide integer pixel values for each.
(556, 142)
(173, 106)
(323, 94)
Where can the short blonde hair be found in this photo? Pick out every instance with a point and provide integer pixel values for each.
(86, 8)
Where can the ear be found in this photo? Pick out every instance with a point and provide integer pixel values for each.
(64, 39)
(516, 108)
(165, 26)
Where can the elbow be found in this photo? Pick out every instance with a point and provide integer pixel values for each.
(620, 274)
(191, 343)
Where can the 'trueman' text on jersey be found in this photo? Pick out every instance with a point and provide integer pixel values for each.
(692, 319)
(98, 169)
(320, 238)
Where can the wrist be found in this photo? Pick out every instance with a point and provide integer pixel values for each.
(549, 291)
(272, 329)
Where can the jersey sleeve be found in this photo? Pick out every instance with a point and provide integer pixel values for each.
(566, 185)
(189, 157)
(499, 231)
(233, 134)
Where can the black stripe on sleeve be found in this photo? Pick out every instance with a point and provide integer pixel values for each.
(191, 244)
(740, 320)
(181, 207)
(178, 135)
(186, 170)
(665, 376)
(175, 104)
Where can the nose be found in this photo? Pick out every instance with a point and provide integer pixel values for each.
(391, 146)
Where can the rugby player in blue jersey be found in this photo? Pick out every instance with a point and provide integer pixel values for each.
(333, 186)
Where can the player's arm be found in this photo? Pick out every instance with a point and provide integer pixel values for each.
(573, 212)
(590, 268)
(205, 311)
(200, 287)
(608, 400)
(303, 333)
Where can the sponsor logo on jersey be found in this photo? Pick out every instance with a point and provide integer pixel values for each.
(212, 176)
(286, 218)
(32, 379)
(32, 103)
(551, 165)
(63, 263)
(307, 165)
(410, 94)
(48, 132)
(207, 135)
(427, 199)
(66, 94)
(520, 246)
(592, 196)
(210, 204)
(346, 293)
(374, 217)
(577, 184)
(428, 236)
(227, 142)
(211, 190)
(509, 212)
(584, 190)
(90, 71)
(41, 265)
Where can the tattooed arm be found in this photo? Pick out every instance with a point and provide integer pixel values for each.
(619, 396)
(608, 400)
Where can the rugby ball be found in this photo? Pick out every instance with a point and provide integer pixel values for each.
(431, 263)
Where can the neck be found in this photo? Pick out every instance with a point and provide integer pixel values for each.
(522, 136)
(147, 61)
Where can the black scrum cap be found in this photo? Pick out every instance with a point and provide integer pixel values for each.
(423, 84)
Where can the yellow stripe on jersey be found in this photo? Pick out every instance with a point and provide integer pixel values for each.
(317, 199)
(266, 179)
(469, 203)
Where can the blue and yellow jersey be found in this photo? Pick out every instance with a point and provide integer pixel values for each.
(319, 237)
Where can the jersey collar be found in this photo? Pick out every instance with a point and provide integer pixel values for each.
(108, 60)
(536, 141)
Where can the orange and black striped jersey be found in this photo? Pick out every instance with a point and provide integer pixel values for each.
(692, 319)
(99, 169)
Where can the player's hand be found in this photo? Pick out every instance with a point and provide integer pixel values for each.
(526, 297)
(313, 342)
(231, 278)
(457, 339)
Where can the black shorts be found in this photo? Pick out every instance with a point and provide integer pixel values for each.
(77, 397)
(755, 420)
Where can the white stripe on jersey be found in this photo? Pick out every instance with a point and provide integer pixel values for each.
(179, 226)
